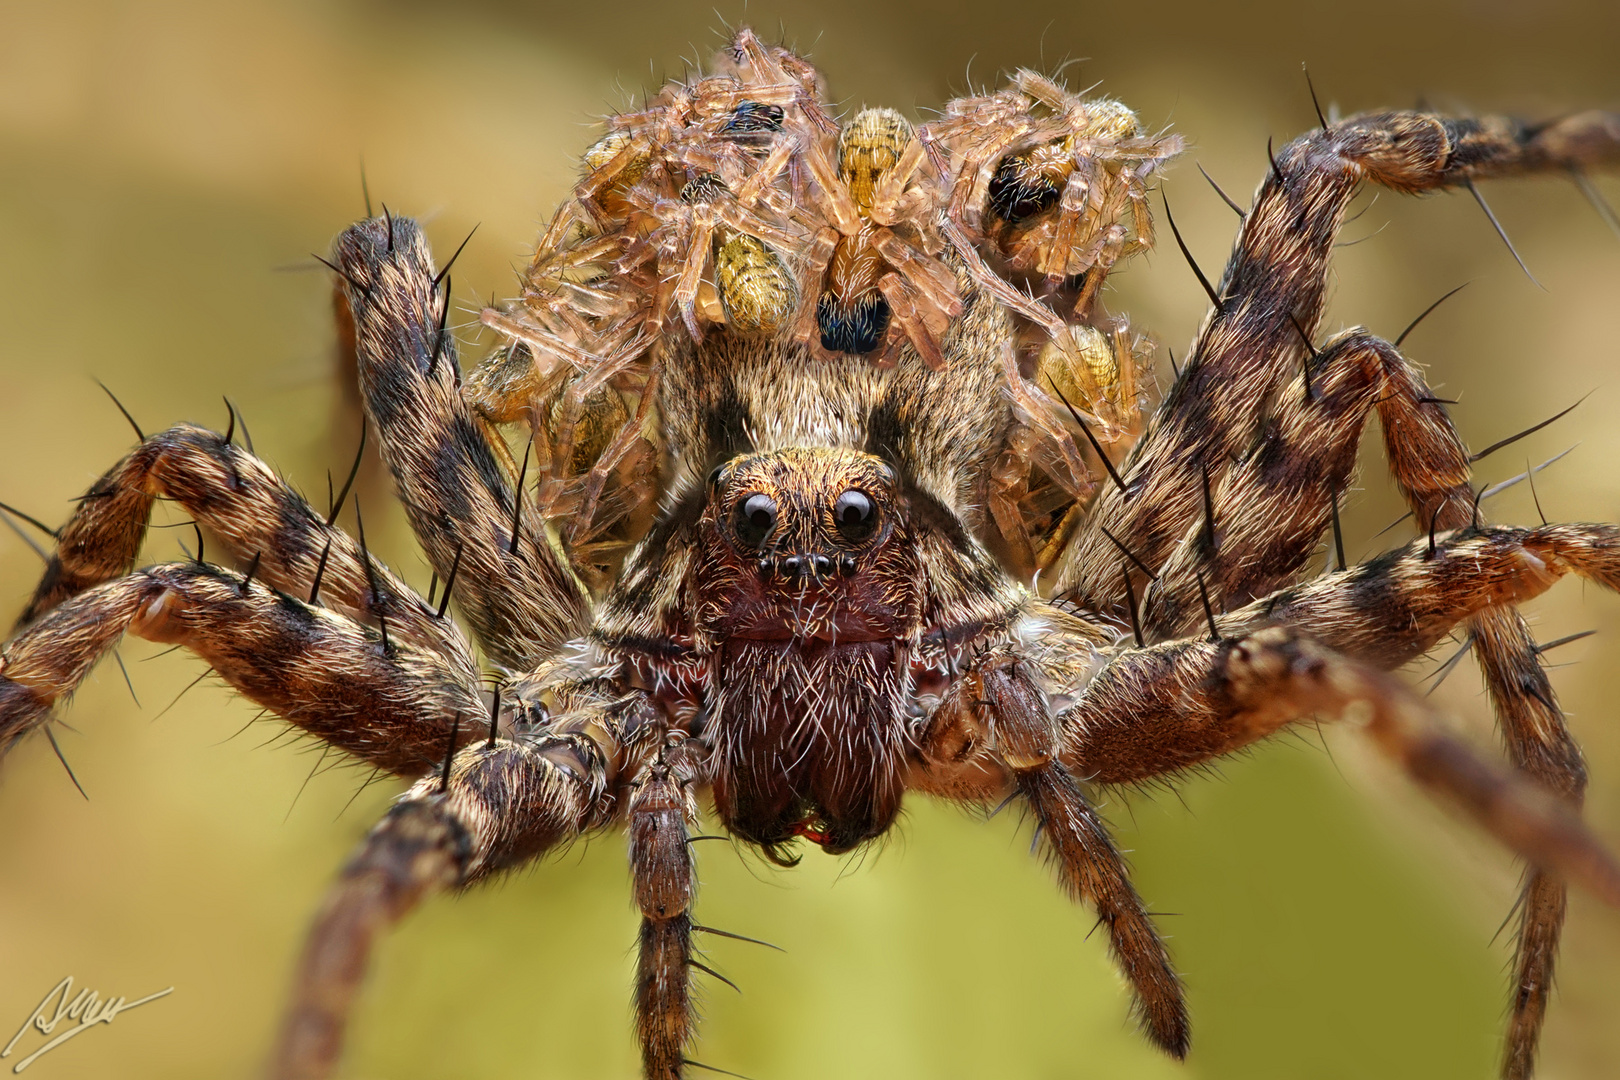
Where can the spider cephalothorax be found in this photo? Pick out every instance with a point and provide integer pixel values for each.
(809, 405)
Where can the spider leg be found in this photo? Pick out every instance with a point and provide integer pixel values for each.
(1267, 510)
(1269, 298)
(1090, 867)
(1392, 609)
(1389, 611)
(258, 518)
(1170, 706)
(1272, 292)
(1080, 191)
(661, 863)
(692, 267)
(388, 701)
(994, 725)
(1539, 742)
(518, 591)
(494, 807)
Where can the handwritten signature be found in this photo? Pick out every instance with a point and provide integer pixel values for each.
(86, 1007)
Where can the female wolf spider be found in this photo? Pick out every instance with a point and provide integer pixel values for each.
(810, 402)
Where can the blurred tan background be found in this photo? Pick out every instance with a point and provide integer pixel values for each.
(166, 167)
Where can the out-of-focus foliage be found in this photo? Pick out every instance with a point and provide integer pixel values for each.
(165, 167)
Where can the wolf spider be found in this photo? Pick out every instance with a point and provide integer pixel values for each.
(789, 388)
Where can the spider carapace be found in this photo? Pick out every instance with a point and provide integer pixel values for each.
(807, 404)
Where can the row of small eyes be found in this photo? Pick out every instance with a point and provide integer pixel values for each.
(853, 515)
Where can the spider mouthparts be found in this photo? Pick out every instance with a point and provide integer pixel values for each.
(816, 567)
(808, 829)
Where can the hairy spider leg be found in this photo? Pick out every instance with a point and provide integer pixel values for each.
(1250, 344)
(1248, 348)
(1175, 705)
(496, 807)
(661, 865)
(255, 515)
(390, 703)
(523, 599)
(1271, 507)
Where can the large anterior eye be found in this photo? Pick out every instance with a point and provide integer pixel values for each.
(854, 515)
(756, 516)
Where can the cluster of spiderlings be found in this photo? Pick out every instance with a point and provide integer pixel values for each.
(735, 203)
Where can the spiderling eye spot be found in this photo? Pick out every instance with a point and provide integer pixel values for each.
(854, 515)
(755, 518)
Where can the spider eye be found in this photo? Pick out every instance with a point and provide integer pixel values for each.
(854, 515)
(756, 516)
